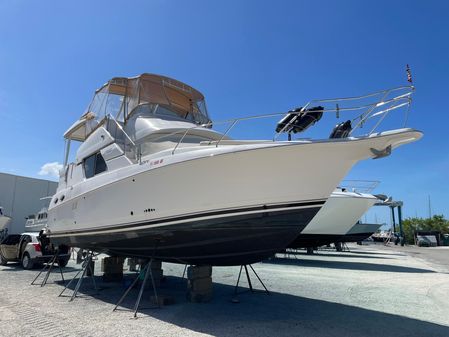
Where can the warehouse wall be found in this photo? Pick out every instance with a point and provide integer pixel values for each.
(20, 197)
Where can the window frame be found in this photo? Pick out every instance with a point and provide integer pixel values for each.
(96, 157)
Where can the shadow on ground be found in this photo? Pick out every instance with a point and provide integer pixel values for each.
(259, 314)
(347, 265)
(335, 254)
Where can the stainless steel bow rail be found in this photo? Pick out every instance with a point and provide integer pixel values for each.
(381, 104)
(367, 107)
(359, 186)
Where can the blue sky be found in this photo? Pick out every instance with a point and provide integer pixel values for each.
(247, 57)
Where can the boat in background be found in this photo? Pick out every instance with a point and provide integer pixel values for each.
(383, 236)
(152, 179)
(4, 221)
(360, 231)
(335, 219)
(37, 222)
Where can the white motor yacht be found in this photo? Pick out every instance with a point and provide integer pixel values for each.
(335, 219)
(152, 179)
(37, 222)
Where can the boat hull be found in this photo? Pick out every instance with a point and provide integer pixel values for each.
(356, 237)
(335, 219)
(236, 239)
(124, 211)
(360, 232)
(314, 240)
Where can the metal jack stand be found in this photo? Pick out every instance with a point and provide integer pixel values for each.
(184, 272)
(50, 266)
(147, 272)
(85, 266)
(235, 299)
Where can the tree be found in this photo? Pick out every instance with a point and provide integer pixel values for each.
(436, 223)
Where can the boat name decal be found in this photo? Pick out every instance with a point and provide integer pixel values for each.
(153, 162)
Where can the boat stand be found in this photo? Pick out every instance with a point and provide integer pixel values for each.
(50, 266)
(147, 272)
(236, 292)
(86, 265)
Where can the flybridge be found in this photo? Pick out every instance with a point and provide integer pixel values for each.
(121, 98)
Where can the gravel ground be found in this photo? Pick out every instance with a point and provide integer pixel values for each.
(370, 291)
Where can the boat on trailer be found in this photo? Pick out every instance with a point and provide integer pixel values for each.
(151, 179)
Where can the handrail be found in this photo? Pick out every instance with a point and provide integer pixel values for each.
(382, 106)
(370, 107)
(359, 186)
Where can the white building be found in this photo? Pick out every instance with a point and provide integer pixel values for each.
(21, 196)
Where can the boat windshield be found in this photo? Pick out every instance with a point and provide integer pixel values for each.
(148, 94)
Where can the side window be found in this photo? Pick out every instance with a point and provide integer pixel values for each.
(89, 166)
(24, 240)
(94, 164)
(100, 164)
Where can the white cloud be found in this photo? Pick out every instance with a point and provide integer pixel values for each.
(50, 169)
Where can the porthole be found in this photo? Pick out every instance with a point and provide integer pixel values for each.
(62, 198)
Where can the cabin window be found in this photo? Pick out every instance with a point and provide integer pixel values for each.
(94, 165)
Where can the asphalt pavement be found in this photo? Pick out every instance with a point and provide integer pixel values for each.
(369, 291)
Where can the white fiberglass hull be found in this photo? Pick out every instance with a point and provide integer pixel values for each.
(230, 191)
(338, 215)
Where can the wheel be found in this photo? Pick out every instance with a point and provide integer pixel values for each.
(3, 262)
(27, 262)
(63, 262)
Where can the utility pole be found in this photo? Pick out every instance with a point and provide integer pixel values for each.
(430, 209)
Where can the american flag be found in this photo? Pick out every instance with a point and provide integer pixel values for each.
(409, 74)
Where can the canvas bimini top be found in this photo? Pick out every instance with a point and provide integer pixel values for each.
(121, 97)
